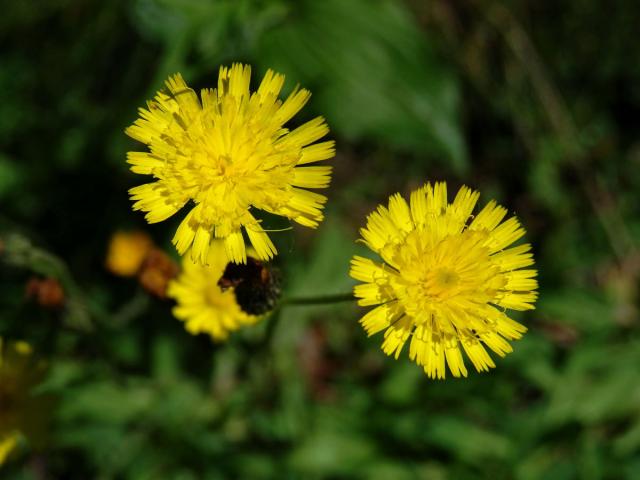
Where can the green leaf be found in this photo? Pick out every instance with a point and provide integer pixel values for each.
(372, 72)
(329, 452)
(11, 176)
(467, 440)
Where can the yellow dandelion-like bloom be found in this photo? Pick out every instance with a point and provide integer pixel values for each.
(229, 152)
(447, 279)
(201, 303)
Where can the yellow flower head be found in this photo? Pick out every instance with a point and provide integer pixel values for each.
(201, 303)
(446, 280)
(228, 152)
(127, 251)
(23, 415)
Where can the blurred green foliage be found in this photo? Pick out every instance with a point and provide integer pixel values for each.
(535, 104)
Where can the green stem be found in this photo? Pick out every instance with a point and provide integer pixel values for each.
(320, 300)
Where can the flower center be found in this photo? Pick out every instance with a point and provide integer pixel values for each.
(224, 165)
(446, 273)
(440, 283)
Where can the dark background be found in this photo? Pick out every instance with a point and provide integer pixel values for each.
(535, 104)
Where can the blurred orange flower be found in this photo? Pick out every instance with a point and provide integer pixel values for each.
(156, 272)
(47, 292)
(126, 252)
